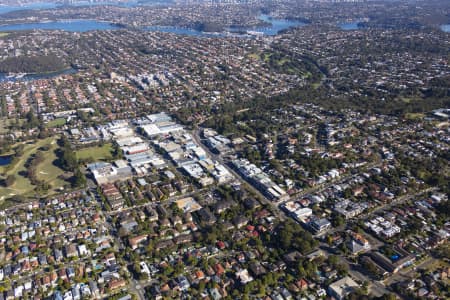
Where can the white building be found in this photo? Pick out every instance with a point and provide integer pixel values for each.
(342, 288)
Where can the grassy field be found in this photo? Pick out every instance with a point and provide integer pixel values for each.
(254, 56)
(414, 116)
(56, 123)
(283, 61)
(47, 171)
(406, 100)
(96, 153)
(3, 34)
(267, 56)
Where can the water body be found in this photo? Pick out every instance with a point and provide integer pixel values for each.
(349, 26)
(28, 77)
(43, 5)
(46, 5)
(5, 160)
(87, 25)
(87, 3)
(277, 26)
(67, 25)
(126, 4)
(445, 27)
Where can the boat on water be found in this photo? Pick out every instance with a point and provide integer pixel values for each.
(258, 33)
(15, 75)
(20, 75)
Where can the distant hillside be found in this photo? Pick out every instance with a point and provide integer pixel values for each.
(33, 64)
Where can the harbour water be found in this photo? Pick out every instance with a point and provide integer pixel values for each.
(349, 26)
(67, 25)
(277, 25)
(47, 5)
(87, 25)
(43, 5)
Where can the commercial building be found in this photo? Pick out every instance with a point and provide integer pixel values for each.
(342, 288)
(260, 180)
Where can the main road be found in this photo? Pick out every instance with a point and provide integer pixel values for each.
(377, 288)
(219, 158)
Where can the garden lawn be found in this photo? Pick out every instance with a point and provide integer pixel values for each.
(56, 123)
(96, 153)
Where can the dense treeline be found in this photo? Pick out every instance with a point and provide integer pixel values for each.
(32, 169)
(291, 236)
(32, 64)
(68, 161)
(225, 118)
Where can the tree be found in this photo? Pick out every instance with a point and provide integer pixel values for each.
(301, 270)
(342, 269)
(116, 151)
(201, 286)
(333, 260)
(337, 220)
(64, 142)
(79, 179)
(32, 120)
(329, 240)
(443, 251)
(69, 160)
(262, 290)
(143, 276)
(176, 210)
(286, 238)
(32, 64)
(357, 294)
(365, 287)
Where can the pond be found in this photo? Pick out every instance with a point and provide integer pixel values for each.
(445, 27)
(5, 160)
